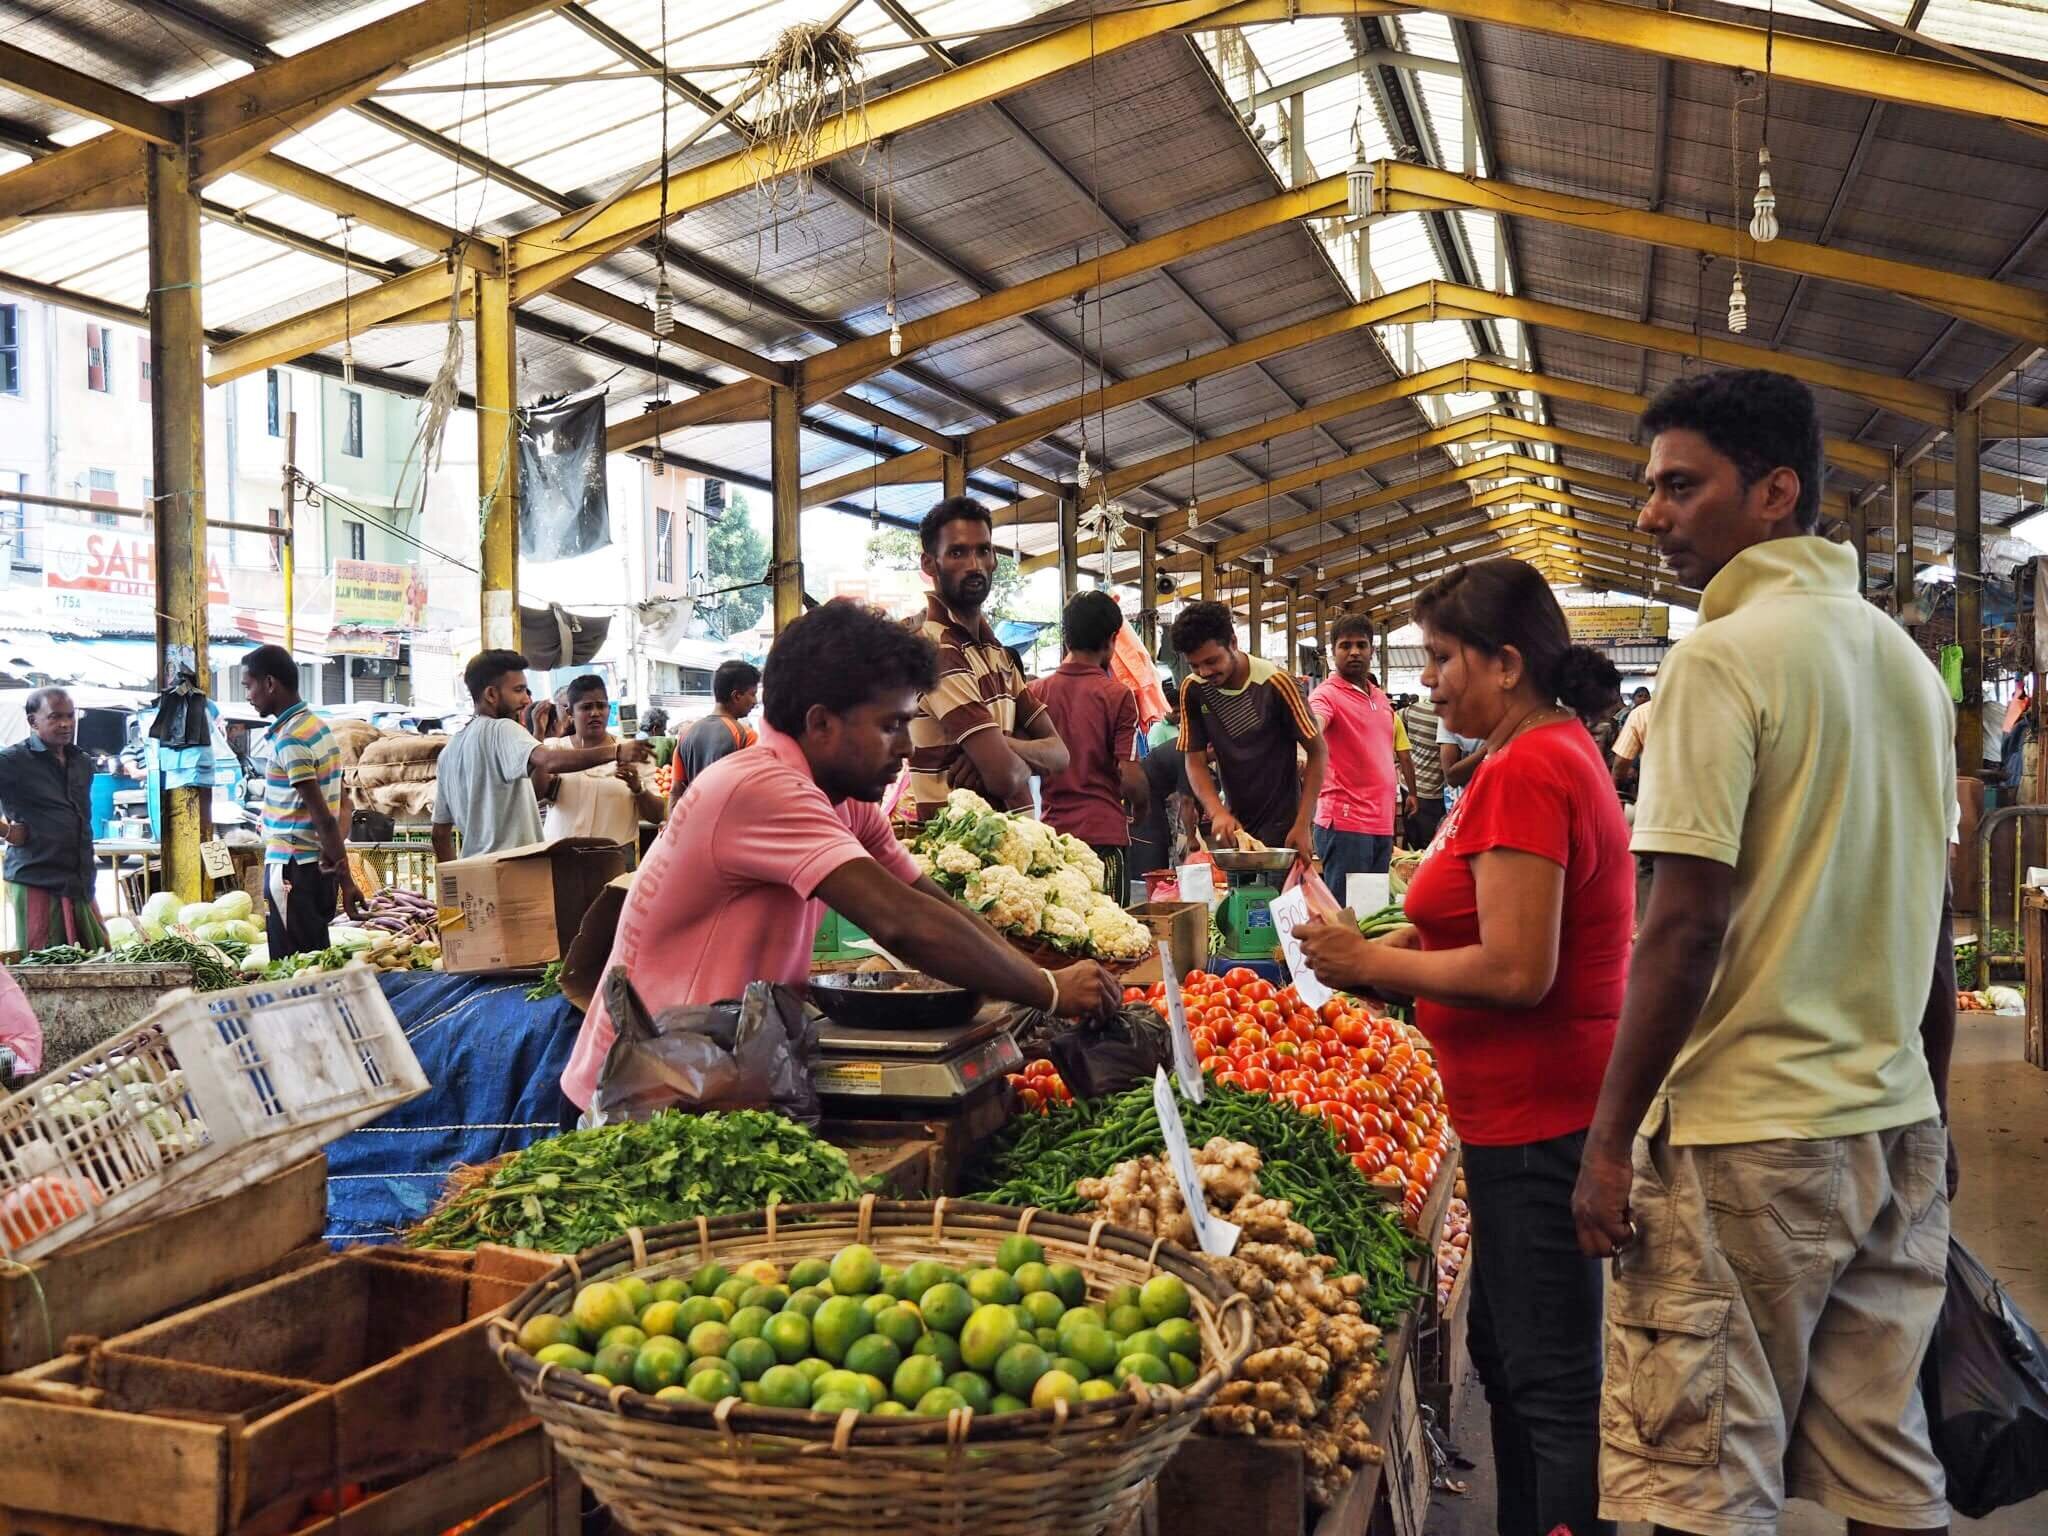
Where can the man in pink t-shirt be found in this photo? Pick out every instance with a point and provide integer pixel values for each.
(767, 838)
(1354, 826)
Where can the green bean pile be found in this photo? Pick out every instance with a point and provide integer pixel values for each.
(1038, 1158)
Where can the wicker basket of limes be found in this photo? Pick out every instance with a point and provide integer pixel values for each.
(920, 1367)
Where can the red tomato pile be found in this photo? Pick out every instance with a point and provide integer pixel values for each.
(1039, 1087)
(1355, 1070)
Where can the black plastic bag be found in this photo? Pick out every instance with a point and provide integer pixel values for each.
(753, 1053)
(1097, 1059)
(1985, 1382)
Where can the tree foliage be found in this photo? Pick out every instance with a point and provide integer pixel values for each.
(897, 549)
(736, 553)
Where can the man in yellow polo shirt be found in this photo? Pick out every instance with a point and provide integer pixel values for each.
(1767, 1160)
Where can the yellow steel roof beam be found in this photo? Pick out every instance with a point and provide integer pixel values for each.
(89, 96)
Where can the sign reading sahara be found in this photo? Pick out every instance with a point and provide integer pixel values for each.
(109, 574)
(370, 595)
(1619, 621)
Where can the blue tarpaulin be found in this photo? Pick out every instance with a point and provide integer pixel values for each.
(495, 1064)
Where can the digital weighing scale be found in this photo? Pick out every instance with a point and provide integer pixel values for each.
(946, 1065)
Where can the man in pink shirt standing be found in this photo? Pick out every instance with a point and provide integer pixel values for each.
(1354, 827)
(766, 838)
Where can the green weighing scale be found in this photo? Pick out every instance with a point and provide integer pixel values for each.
(1245, 919)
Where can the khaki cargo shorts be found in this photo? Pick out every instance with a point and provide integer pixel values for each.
(1765, 1332)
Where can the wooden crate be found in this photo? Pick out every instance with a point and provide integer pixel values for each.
(225, 1418)
(109, 1284)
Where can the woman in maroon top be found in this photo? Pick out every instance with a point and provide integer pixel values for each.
(1523, 911)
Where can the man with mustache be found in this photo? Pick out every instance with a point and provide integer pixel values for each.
(978, 727)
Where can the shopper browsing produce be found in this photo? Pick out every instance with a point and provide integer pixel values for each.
(977, 726)
(1420, 720)
(1097, 718)
(590, 708)
(1768, 1154)
(732, 891)
(1517, 962)
(46, 824)
(1242, 720)
(735, 690)
(1368, 745)
(484, 778)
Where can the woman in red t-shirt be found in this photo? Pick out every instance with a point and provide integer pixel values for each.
(1523, 912)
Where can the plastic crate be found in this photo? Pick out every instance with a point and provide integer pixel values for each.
(208, 1094)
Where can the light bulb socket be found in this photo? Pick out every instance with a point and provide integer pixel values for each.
(1358, 187)
(895, 340)
(1082, 473)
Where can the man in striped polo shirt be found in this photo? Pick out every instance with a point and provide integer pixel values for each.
(305, 866)
(979, 728)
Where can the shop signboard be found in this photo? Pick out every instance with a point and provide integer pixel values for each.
(107, 575)
(375, 604)
(1619, 621)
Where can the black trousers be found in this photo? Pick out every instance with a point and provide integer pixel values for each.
(1535, 1336)
(299, 900)
(1420, 828)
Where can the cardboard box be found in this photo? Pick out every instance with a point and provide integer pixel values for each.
(1184, 927)
(583, 965)
(522, 907)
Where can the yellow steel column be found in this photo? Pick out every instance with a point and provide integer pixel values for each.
(178, 454)
(1148, 589)
(1255, 608)
(497, 457)
(785, 459)
(1209, 574)
(953, 473)
(1070, 544)
(1902, 537)
(1969, 553)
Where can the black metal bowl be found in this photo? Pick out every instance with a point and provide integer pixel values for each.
(871, 1000)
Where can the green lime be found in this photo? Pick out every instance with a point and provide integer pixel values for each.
(1017, 1249)
(789, 1335)
(1033, 1277)
(1005, 1402)
(698, 1309)
(1165, 1296)
(1125, 1295)
(974, 1389)
(671, 1289)
(759, 1272)
(917, 1376)
(1072, 1367)
(889, 1408)
(567, 1356)
(896, 1285)
(989, 1331)
(1020, 1366)
(1046, 1339)
(942, 1347)
(873, 1355)
(992, 1285)
(878, 1389)
(675, 1395)
(807, 1272)
(837, 1403)
(1095, 1389)
(768, 1297)
(922, 1276)
(1068, 1283)
(748, 1322)
(784, 1386)
(712, 1380)
(751, 1358)
(1045, 1307)
(939, 1402)
(1145, 1341)
(900, 1324)
(1181, 1337)
(1149, 1368)
(835, 1326)
(812, 1367)
(855, 1270)
(875, 1303)
(663, 1319)
(890, 1275)
(733, 1289)
(1184, 1371)
(1126, 1319)
(615, 1365)
(1093, 1347)
(600, 1307)
(1053, 1386)
(546, 1328)
(946, 1307)
(1021, 1318)
(708, 1340)
(726, 1307)
(661, 1362)
(750, 1392)
(806, 1301)
(707, 1278)
(626, 1335)
(848, 1382)
(638, 1292)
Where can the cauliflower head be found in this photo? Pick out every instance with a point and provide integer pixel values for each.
(1069, 888)
(952, 859)
(1077, 855)
(1063, 926)
(1113, 934)
(923, 861)
(1008, 898)
(965, 802)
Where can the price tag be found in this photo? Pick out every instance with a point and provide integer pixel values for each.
(217, 860)
(1288, 912)
(1212, 1233)
(1185, 1067)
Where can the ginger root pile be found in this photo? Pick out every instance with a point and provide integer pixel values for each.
(1315, 1359)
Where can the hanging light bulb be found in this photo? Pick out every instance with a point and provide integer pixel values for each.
(1194, 514)
(895, 332)
(1082, 473)
(1319, 570)
(1358, 187)
(664, 305)
(1763, 224)
(1738, 306)
(348, 361)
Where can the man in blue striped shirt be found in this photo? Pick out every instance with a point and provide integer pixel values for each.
(305, 866)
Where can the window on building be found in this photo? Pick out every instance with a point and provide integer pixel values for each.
(273, 402)
(142, 353)
(275, 518)
(664, 544)
(690, 552)
(358, 541)
(99, 352)
(352, 423)
(14, 516)
(10, 349)
(100, 488)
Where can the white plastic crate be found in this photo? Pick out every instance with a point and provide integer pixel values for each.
(210, 1093)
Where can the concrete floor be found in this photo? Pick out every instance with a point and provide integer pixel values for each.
(1999, 1110)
